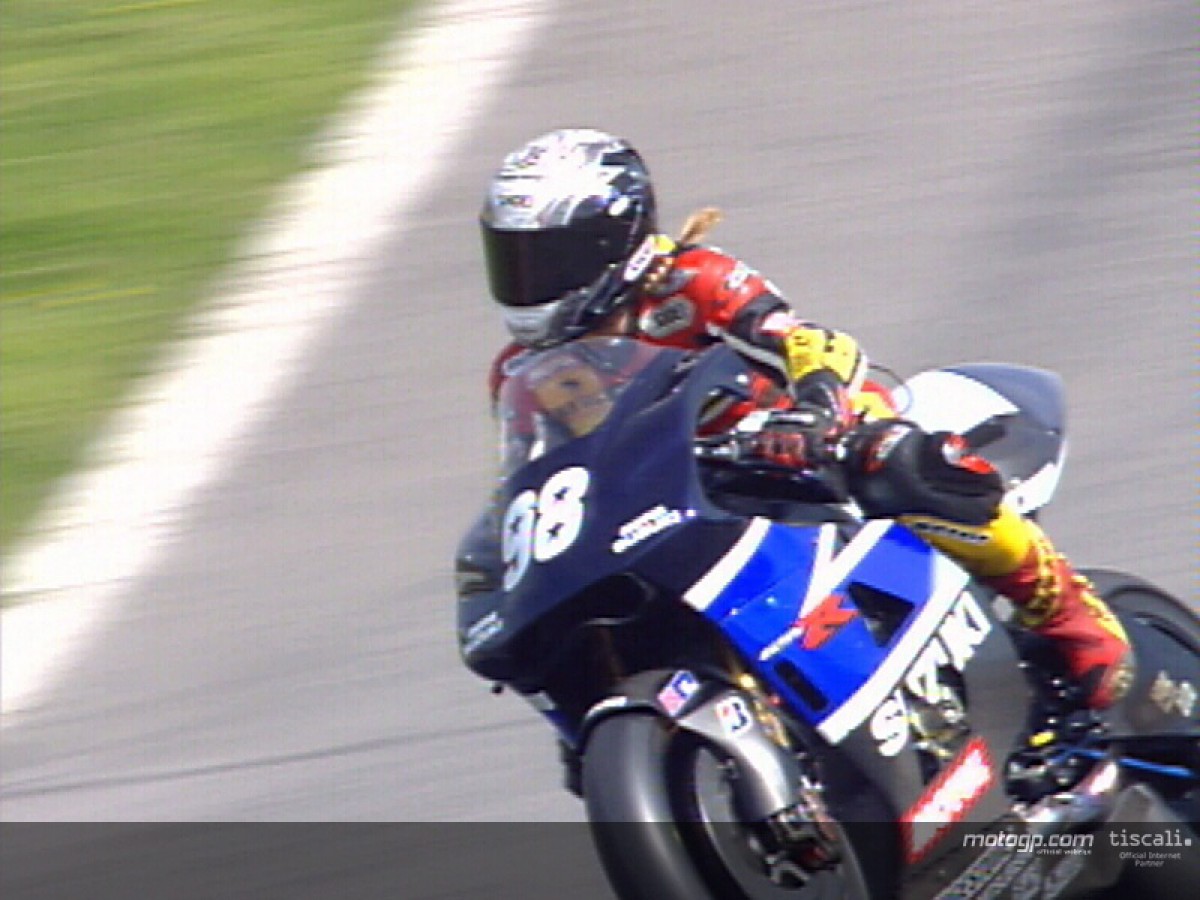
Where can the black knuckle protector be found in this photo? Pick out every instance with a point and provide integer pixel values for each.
(941, 470)
(898, 469)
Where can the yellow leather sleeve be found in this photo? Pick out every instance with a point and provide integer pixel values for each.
(992, 550)
(809, 349)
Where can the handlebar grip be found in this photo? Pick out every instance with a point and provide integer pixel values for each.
(723, 448)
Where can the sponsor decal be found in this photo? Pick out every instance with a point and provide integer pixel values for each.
(734, 715)
(890, 726)
(825, 621)
(781, 643)
(667, 318)
(738, 277)
(651, 522)
(945, 529)
(1173, 696)
(514, 201)
(653, 245)
(947, 581)
(677, 692)
(641, 259)
(482, 631)
(815, 629)
(947, 799)
(953, 645)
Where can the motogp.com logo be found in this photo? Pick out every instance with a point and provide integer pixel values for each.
(1031, 842)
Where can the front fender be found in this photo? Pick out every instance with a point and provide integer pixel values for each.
(723, 716)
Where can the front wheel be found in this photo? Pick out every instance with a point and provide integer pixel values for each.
(664, 823)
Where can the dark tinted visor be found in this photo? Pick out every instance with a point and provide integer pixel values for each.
(529, 268)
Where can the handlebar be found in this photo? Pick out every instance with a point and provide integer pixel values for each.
(727, 448)
(741, 443)
(737, 453)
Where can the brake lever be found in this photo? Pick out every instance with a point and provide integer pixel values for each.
(725, 448)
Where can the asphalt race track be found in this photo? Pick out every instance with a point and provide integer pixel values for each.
(1000, 181)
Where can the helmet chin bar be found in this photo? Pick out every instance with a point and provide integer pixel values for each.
(531, 326)
(572, 315)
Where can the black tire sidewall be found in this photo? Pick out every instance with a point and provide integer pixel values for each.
(633, 805)
(1131, 596)
(625, 789)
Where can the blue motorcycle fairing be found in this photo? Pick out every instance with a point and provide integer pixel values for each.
(770, 584)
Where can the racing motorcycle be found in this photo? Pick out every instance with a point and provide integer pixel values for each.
(758, 693)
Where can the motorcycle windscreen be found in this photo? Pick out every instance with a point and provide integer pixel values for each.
(556, 396)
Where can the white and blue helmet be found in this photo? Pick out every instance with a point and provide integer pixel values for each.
(562, 216)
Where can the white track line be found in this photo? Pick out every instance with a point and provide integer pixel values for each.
(177, 433)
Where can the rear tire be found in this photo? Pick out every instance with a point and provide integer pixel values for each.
(1129, 595)
(1133, 598)
(653, 795)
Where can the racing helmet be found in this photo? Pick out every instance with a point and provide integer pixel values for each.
(562, 217)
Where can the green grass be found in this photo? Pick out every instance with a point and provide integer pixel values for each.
(138, 142)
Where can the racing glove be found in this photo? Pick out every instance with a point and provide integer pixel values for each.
(823, 392)
(809, 435)
(803, 438)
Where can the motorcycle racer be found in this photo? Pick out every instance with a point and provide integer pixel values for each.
(572, 248)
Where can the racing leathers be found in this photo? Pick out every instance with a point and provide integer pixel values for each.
(696, 295)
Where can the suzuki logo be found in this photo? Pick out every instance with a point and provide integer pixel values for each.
(814, 629)
(825, 621)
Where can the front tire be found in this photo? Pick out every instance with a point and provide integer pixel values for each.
(652, 793)
(629, 808)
